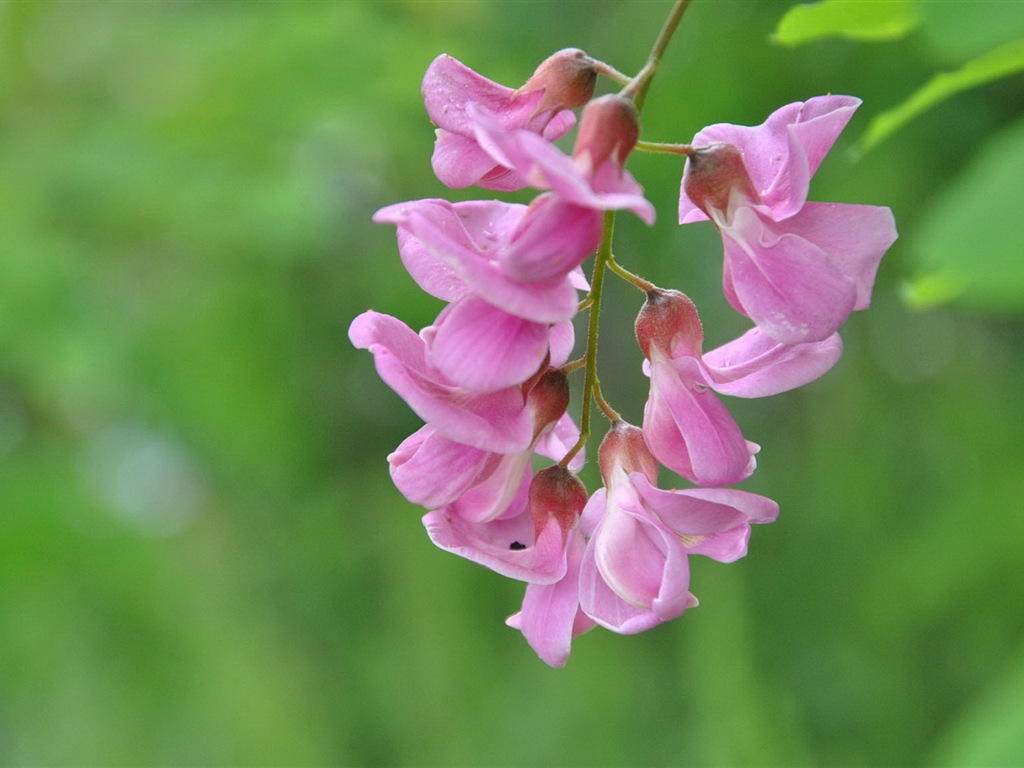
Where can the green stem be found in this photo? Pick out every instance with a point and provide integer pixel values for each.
(637, 89)
(629, 277)
(664, 149)
(590, 381)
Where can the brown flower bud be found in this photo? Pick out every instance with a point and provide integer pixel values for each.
(609, 128)
(669, 320)
(713, 174)
(567, 78)
(624, 446)
(549, 398)
(556, 493)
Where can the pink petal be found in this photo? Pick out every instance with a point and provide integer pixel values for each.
(466, 238)
(784, 283)
(459, 162)
(782, 153)
(690, 431)
(550, 616)
(432, 471)
(484, 349)
(496, 422)
(551, 241)
(755, 365)
(725, 547)
(492, 496)
(505, 546)
(855, 237)
(703, 511)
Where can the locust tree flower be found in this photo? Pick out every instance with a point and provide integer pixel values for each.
(686, 426)
(562, 82)
(529, 540)
(434, 471)
(797, 269)
(496, 421)
(635, 570)
(498, 329)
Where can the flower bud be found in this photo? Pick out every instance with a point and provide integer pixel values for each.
(567, 78)
(624, 446)
(548, 398)
(609, 129)
(669, 320)
(713, 174)
(556, 493)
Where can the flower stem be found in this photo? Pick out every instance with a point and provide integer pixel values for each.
(664, 149)
(590, 381)
(629, 277)
(637, 89)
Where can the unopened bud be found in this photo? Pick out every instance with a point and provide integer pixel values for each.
(713, 174)
(549, 398)
(669, 321)
(556, 493)
(624, 446)
(609, 129)
(567, 78)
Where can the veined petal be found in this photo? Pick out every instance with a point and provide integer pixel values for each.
(432, 471)
(551, 240)
(459, 162)
(485, 349)
(550, 616)
(690, 431)
(782, 153)
(491, 497)
(507, 545)
(855, 237)
(496, 421)
(783, 282)
(755, 365)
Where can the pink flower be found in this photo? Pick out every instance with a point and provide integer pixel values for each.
(635, 570)
(687, 427)
(796, 268)
(563, 81)
(528, 541)
(497, 421)
(498, 329)
(434, 471)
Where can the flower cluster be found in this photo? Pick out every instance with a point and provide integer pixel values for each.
(490, 376)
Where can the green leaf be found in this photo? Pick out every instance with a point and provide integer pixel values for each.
(969, 243)
(852, 19)
(1001, 62)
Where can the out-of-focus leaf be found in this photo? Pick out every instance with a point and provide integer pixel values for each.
(991, 729)
(970, 242)
(962, 31)
(1001, 62)
(852, 19)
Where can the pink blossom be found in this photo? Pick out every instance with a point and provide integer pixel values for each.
(496, 421)
(687, 427)
(434, 471)
(528, 540)
(635, 571)
(796, 268)
(542, 105)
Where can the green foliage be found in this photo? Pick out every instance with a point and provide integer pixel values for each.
(1002, 62)
(202, 559)
(852, 19)
(970, 239)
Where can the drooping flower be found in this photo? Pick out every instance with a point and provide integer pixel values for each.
(635, 570)
(562, 82)
(797, 269)
(434, 471)
(687, 427)
(528, 541)
(497, 421)
(498, 329)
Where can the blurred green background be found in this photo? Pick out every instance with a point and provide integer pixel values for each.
(202, 559)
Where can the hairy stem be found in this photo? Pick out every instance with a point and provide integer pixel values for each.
(637, 89)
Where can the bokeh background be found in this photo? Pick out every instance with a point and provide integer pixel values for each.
(202, 559)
